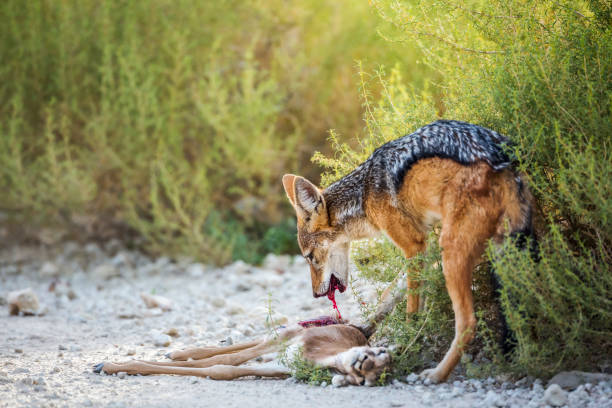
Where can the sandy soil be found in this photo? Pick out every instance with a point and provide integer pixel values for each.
(94, 313)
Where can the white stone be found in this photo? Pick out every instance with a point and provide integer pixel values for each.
(277, 262)
(412, 378)
(105, 272)
(153, 301)
(555, 396)
(49, 269)
(23, 302)
(195, 270)
(162, 340)
(218, 302)
(570, 380)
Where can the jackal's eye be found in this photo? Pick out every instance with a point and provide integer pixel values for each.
(309, 257)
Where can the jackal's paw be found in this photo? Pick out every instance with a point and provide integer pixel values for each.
(97, 368)
(432, 374)
(363, 365)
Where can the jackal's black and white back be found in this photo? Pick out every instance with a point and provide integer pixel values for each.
(385, 169)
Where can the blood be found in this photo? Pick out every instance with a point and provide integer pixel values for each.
(319, 321)
(331, 295)
(334, 284)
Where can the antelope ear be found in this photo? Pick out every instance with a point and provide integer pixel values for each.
(288, 183)
(308, 198)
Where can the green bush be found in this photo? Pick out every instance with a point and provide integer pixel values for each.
(541, 73)
(177, 118)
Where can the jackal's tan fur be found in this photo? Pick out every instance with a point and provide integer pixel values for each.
(475, 202)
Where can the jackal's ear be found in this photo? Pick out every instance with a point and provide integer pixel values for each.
(308, 198)
(288, 183)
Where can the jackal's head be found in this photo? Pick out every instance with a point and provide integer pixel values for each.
(325, 247)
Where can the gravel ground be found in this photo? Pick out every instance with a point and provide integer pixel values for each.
(91, 311)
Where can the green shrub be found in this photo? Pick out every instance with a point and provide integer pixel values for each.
(172, 116)
(541, 73)
(306, 371)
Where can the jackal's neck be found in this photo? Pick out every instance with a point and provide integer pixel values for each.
(345, 203)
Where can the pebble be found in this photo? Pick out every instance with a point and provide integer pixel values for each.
(277, 262)
(195, 270)
(234, 310)
(153, 301)
(105, 272)
(218, 302)
(130, 352)
(49, 270)
(412, 378)
(555, 396)
(172, 332)
(24, 302)
(491, 399)
(122, 374)
(570, 380)
(162, 340)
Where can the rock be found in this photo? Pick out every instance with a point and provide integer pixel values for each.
(570, 380)
(105, 272)
(238, 268)
(153, 301)
(122, 374)
(555, 395)
(277, 262)
(324, 384)
(235, 310)
(491, 400)
(243, 287)
(23, 302)
(127, 314)
(121, 259)
(228, 341)
(19, 351)
(412, 378)
(218, 302)
(195, 270)
(172, 332)
(525, 381)
(270, 281)
(156, 311)
(49, 270)
(162, 340)
(130, 352)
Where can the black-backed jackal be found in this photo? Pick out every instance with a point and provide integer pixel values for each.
(451, 172)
